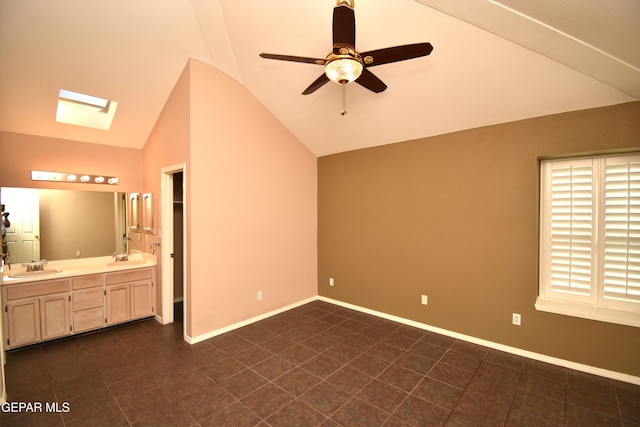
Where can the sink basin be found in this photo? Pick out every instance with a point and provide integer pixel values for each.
(123, 263)
(35, 273)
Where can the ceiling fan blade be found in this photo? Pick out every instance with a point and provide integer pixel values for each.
(317, 61)
(317, 84)
(371, 82)
(397, 53)
(344, 28)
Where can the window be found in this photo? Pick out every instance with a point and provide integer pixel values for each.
(85, 101)
(590, 238)
(85, 110)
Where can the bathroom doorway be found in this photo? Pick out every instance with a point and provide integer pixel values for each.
(173, 246)
(178, 248)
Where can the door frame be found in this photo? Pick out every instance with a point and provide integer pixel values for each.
(166, 248)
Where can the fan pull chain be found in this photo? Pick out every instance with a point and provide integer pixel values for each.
(344, 100)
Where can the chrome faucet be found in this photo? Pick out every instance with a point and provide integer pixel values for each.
(118, 258)
(33, 266)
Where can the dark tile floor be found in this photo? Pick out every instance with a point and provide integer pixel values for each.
(318, 364)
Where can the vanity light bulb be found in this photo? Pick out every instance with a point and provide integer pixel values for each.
(113, 180)
(85, 178)
(57, 176)
(99, 179)
(71, 177)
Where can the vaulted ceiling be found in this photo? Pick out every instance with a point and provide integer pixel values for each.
(493, 62)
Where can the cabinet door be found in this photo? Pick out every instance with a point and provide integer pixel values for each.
(141, 299)
(54, 313)
(118, 307)
(23, 318)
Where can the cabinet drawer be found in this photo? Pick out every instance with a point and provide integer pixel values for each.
(84, 320)
(87, 298)
(37, 289)
(128, 276)
(84, 282)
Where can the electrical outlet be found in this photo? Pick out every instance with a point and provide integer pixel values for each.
(425, 300)
(516, 319)
(259, 295)
(330, 281)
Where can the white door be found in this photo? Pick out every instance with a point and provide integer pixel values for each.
(23, 237)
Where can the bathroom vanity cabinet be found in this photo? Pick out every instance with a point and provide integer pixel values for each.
(43, 310)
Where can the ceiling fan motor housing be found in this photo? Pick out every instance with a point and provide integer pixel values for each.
(348, 3)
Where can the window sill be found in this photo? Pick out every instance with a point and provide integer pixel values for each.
(602, 314)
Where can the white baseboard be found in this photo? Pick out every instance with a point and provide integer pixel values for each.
(490, 344)
(199, 338)
(496, 346)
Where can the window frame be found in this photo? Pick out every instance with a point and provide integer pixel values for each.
(561, 300)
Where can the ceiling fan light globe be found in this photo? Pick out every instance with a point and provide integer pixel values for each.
(343, 70)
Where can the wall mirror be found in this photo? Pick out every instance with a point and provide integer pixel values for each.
(64, 224)
(147, 213)
(134, 211)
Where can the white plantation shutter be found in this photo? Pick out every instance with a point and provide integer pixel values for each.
(621, 265)
(590, 238)
(570, 236)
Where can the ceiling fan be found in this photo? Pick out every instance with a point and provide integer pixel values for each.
(345, 64)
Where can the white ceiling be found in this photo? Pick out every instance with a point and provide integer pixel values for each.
(493, 62)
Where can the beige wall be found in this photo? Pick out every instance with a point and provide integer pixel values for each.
(250, 200)
(252, 206)
(167, 146)
(23, 153)
(455, 217)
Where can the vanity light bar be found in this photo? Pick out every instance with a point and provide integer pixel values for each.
(74, 177)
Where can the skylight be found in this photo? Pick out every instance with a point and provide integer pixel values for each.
(85, 110)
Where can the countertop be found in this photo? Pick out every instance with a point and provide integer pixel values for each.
(76, 267)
